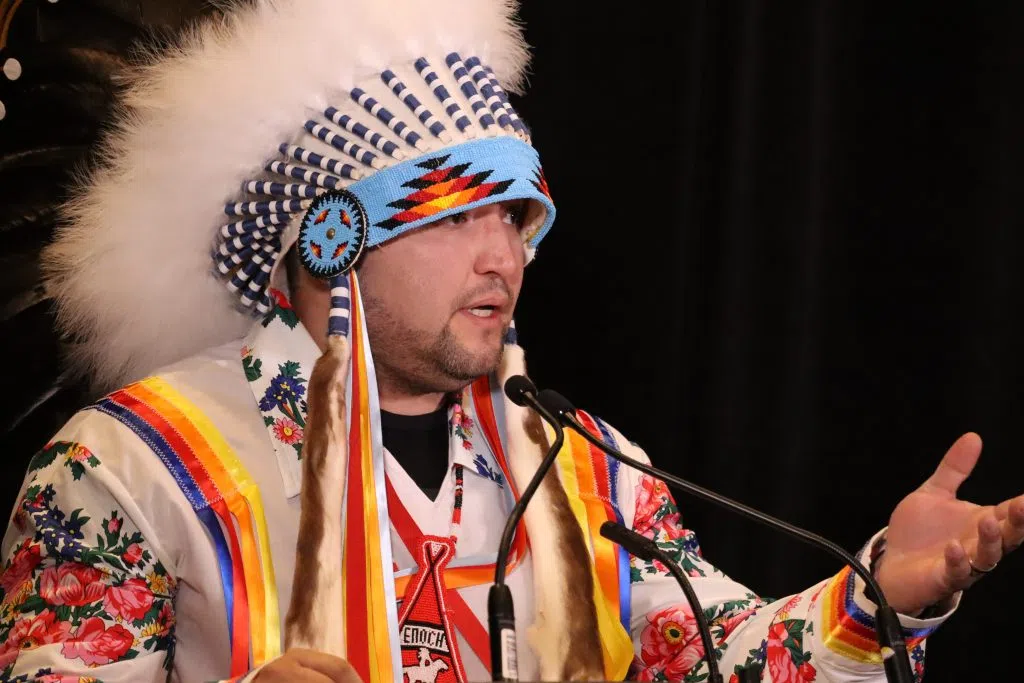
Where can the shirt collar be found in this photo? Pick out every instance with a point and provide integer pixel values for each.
(278, 357)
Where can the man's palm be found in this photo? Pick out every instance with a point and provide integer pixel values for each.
(933, 538)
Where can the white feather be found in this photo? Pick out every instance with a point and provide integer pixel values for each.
(131, 269)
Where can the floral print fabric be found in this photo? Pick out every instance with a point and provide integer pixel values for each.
(747, 631)
(83, 583)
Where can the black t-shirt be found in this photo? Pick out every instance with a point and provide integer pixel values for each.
(420, 445)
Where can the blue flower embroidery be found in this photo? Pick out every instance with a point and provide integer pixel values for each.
(282, 392)
(483, 468)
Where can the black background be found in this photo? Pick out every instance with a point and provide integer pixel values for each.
(786, 264)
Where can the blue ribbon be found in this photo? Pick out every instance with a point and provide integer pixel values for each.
(625, 584)
(170, 458)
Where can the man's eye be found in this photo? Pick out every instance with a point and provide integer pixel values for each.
(455, 218)
(515, 215)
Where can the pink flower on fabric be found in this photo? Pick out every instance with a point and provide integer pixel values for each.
(780, 660)
(78, 453)
(129, 601)
(730, 624)
(132, 553)
(24, 562)
(114, 525)
(72, 584)
(651, 495)
(94, 644)
(670, 642)
(287, 431)
(29, 634)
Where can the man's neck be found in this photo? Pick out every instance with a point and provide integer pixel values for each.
(401, 403)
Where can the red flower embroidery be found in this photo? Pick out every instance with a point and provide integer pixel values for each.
(29, 634)
(780, 658)
(132, 553)
(287, 431)
(94, 644)
(71, 584)
(24, 562)
(780, 662)
(279, 298)
(129, 601)
(671, 642)
(165, 619)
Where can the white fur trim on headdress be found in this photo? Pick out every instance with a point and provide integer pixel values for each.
(131, 270)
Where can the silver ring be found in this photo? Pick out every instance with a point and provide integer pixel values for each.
(975, 571)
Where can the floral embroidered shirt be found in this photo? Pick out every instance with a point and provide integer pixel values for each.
(108, 574)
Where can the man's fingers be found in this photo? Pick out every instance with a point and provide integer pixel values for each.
(957, 464)
(1012, 524)
(989, 547)
(957, 570)
(334, 668)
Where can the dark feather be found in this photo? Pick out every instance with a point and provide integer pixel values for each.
(71, 55)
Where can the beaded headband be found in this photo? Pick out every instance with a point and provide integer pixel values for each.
(358, 175)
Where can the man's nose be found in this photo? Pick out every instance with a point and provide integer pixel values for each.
(498, 242)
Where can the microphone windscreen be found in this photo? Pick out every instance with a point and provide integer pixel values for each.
(556, 403)
(516, 387)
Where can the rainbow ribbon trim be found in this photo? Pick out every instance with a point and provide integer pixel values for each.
(850, 631)
(224, 497)
(589, 477)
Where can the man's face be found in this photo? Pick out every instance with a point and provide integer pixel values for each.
(438, 300)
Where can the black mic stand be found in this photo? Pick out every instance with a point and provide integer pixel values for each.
(890, 632)
(501, 618)
(646, 549)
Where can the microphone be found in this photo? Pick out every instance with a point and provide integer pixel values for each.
(501, 618)
(646, 549)
(890, 633)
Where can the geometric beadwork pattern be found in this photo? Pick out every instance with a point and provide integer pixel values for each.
(442, 188)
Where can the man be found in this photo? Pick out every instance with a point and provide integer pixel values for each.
(336, 471)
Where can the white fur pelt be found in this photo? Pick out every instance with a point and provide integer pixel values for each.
(564, 633)
(131, 269)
